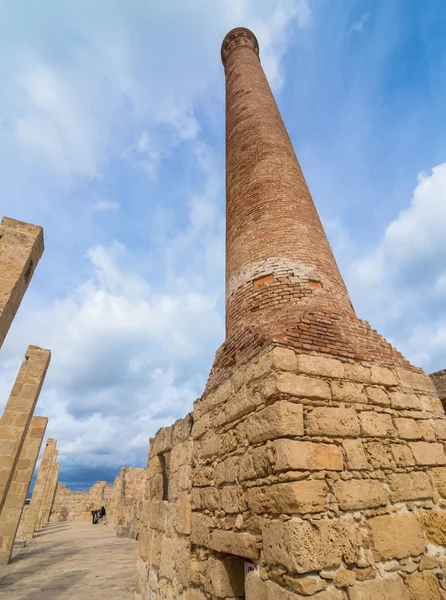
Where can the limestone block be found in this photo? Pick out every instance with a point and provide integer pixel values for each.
(255, 588)
(279, 420)
(302, 546)
(224, 577)
(376, 424)
(424, 586)
(357, 372)
(255, 464)
(227, 470)
(162, 441)
(320, 365)
(440, 480)
(428, 454)
(403, 401)
(432, 404)
(194, 594)
(332, 421)
(292, 454)
(157, 515)
(345, 391)
(295, 497)
(408, 429)
(416, 381)
(209, 446)
(397, 535)
(181, 455)
(201, 526)
(383, 376)
(402, 455)
(154, 467)
(210, 498)
(182, 429)
(434, 524)
(282, 359)
(360, 493)
(302, 386)
(243, 403)
(167, 563)
(232, 499)
(307, 586)
(156, 487)
(238, 544)
(184, 513)
(390, 588)
(377, 395)
(410, 486)
(439, 427)
(378, 455)
(356, 457)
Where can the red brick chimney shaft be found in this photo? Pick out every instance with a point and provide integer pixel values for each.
(279, 263)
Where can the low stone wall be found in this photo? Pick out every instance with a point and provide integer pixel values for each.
(126, 502)
(73, 506)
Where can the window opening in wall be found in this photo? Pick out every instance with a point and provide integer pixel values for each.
(29, 272)
(165, 465)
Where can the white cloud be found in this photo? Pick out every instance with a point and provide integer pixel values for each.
(358, 26)
(105, 205)
(401, 284)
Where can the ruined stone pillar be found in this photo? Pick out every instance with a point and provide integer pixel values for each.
(51, 494)
(21, 246)
(18, 412)
(15, 500)
(47, 492)
(28, 527)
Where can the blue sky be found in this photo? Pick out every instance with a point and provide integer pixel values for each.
(112, 138)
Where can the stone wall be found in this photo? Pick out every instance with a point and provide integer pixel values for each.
(74, 506)
(326, 476)
(439, 379)
(126, 502)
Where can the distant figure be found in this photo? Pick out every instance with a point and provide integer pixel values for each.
(102, 514)
(95, 516)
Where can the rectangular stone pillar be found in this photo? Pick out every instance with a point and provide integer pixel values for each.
(18, 412)
(28, 527)
(51, 494)
(15, 500)
(46, 494)
(21, 246)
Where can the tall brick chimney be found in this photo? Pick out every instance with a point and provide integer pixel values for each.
(278, 259)
(282, 281)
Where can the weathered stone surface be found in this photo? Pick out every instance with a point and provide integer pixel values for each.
(348, 392)
(292, 454)
(377, 395)
(302, 546)
(255, 588)
(440, 480)
(332, 421)
(402, 455)
(410, 486)
(255, 464)
(376, 424)
(434, 524)
(295, 497)
(239, 544)
(344, 578)
(390, 588)
(225, 577)
(279, 420)
(200, 529)
(302, 386)
(233, 499)
(307, 586)
(428, 454)
(320, 365)
(383, 376)
(408, 429)
(277, 592)
(424, 586)
(403, 401)
(360, 493)
(397, 536)
(356, 457)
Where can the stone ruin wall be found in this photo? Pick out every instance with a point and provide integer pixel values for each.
(126, 502)
(439, 379)
(327, 476)
(77, 506)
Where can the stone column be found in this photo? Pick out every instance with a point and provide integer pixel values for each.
(15, 500)
(21, 246)
(29, 524)
(46, 495)
(18, 412)
(51, 494)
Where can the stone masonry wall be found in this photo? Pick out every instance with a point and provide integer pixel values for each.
(126, 502)
(74, 506)
(327, 475)
(439, 379)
